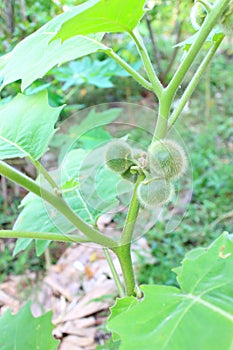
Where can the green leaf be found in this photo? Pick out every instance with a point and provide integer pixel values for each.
(103, 16)
(23, 331)
(121, 306)
(39, 216)
(26, 126)
(34, 216)
(197, 316)
(41, 246)
(21, 244)
(82, 131)
(33, 57)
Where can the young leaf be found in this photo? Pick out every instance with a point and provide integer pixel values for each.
(26, 126)
(33, 57)
(197, 316)
(23, 331)
(103, 16)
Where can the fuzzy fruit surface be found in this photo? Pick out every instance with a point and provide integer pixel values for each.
(154, 193)
(118, 156)
(167, 159)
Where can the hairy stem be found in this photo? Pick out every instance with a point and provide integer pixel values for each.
(57, 202)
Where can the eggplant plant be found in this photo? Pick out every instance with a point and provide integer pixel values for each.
(198, 314)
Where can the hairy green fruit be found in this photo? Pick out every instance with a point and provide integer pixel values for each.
(154, 193)
(226, 23)
(118, 156)
(167, 159)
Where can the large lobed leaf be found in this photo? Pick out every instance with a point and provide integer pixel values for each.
(82, 26)
(23, 331)
(33, 57)
(26, 126)
(103, 16)
(197, 316)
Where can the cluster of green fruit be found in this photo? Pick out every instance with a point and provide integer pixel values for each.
(200, 11)
(164, 162)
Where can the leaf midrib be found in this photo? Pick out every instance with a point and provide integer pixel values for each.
(195, 300)
(15, 145)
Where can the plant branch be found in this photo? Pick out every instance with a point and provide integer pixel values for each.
(165, 102)
(132, 215)
(123, 250)
(157, 86)
(57, 202)
(193, 83)
(114, 273)
(142, 81)
(124, 256)
(50, 236)
(203, 33)
(44, 172)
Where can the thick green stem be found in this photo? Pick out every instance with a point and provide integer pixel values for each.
(131, 218)
(164, 110)
(123, 251)
(194, 81)
(130, 70)
(57, 202)
(208, 25)
(124, 256)
(43, 235)
(114, 273)
(157, 86)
